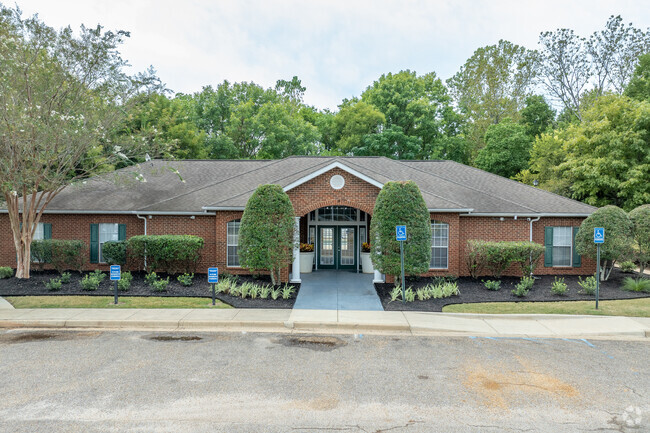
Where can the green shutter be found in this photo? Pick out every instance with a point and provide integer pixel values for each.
(548, 243)
(577, 259)
(47, 231)
(121, 232)
(94, 243)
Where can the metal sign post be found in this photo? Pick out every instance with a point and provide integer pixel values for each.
(213, 278)
(599, 238)
(400, 235)
(116, 275)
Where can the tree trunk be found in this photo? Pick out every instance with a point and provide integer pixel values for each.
(273, 278)
(23, 258)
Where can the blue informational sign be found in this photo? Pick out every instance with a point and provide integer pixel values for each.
(400, 233)
(116, 273)
(599, 235)
(213, 275)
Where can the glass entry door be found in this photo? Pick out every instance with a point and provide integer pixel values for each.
(336, 247)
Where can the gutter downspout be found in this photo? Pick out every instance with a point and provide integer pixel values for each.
(145, 233)
(531, 221)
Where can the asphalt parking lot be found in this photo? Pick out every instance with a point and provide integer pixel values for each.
(97, 381)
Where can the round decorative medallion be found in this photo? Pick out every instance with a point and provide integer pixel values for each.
(337, 181)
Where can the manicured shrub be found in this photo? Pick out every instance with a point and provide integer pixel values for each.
(90, 282)
(6, 272)
(496, 257)
(558, 287)
(151, 278)
(275, 293)
(523, 286)
(266, 232)
(168, 253)
(124, 283)
(265, 291)
(114, 252)
(636, 284)
(627, 266)
(492, 284)
(588, 285)
(400, 203)
(62, 254)
(99, 275)
(186, 279)
(618, 237)
(53, 284)
(65, 277)
(160, 285)
(640, 218)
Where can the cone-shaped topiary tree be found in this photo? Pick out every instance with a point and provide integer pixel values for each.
(618, 237)
(266, 231)
(640, 218)
(401, 203)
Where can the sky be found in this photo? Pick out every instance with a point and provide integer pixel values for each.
(337, 48)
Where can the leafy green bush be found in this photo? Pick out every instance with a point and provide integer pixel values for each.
(160, 285)
(636, 284)
(400, 203)
(523, 286)
(53, 284)
(124, 283)
(475, 257)
(618, 237)
(6, 272)
(65, 277)
(395, 293)
(265, 291)
(151, 278)
(90, 282)
(254, 291)
(185, 279)
(114, 252)
(409, 295)
(266, 231)
(496, 257)
(492, 284)
(588, 285)
(169, 253)
(640, 218)
(275, 293)
(99, 275)
(558, 287)
(62, 254)
(627, 266)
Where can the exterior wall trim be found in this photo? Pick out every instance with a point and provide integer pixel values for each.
(527, 215)
(118, 212)
(328, 168)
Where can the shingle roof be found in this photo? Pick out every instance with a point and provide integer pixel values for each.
(221, 184)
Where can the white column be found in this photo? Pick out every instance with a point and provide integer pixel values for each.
(295, 277)
(378, 278)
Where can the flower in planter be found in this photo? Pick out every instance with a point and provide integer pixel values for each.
(306, 248)
(365, 247)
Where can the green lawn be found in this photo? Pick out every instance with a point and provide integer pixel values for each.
(107, 302)
(626, 307)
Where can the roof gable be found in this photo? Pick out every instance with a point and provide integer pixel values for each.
(329, 167)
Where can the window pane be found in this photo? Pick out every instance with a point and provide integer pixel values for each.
(39, 234)
(561, 256)
(562, 236)
(439, 245)
(233, 243)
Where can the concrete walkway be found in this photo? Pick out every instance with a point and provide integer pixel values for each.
(337, 290)
(331, 321)
(4, 304)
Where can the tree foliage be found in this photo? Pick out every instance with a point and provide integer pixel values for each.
(507, 149)
(639, 85)
(640, 218)
(618, 237)
(266, 231)
(537, 116)
(60, 97)
(401, 203)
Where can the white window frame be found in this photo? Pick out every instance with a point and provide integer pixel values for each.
(570, 230)
(446, 247)
(228, 244)
(115, 235)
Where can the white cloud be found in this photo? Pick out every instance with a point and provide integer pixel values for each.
(336, 47)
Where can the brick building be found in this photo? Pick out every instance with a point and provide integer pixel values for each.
(333, 199)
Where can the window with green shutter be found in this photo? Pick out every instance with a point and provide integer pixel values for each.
(559, 244)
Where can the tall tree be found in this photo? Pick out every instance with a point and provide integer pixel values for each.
(492, 85)
(639, 85)
(60, 97)
(506, 151)
(537, 116)
(353, 122)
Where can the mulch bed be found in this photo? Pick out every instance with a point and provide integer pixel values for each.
(35, 286)
(472, 291)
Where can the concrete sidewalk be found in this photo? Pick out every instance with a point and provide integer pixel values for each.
(330, 321)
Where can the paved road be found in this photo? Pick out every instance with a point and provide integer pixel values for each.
(53, 381)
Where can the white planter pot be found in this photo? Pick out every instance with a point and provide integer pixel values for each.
(306, 262)
(366, 264)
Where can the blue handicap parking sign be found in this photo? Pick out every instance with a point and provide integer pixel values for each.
(116, 272)
(400, 233)
(599, 235)
(213, 275)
